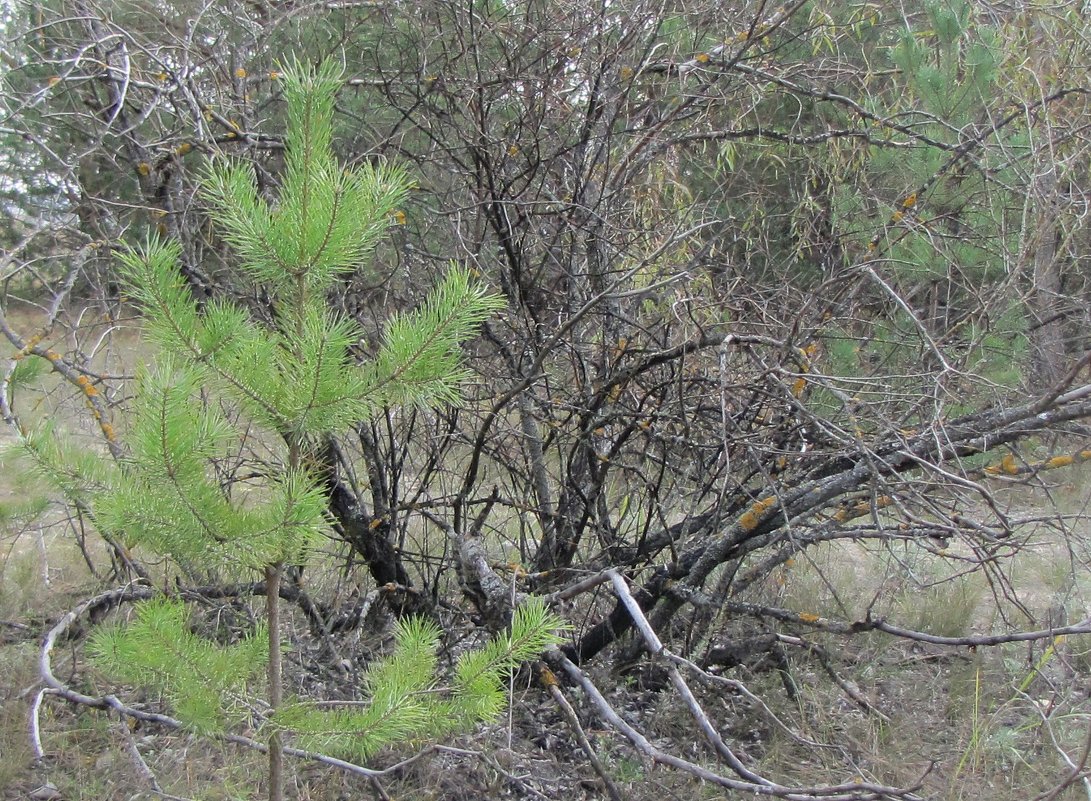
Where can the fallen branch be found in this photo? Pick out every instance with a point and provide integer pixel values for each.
(550, 681)
(748, 780)
(878, 624)
(852, 791)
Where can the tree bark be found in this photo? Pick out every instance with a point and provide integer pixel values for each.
(275, 693)
(1047, 347)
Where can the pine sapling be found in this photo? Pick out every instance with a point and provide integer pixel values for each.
(294, 378)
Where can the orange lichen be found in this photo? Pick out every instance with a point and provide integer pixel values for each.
(807, 617)
(374, 524)
(703, 58)
(749, 519)
(183, 148)
(28, 347)
(1007, 466)
(240, 73)
(108, 431)
(910, 201)
(547, 677)
(861, 508)
(897, 216)
(144, 168)
(1060, 461)
(274, 75)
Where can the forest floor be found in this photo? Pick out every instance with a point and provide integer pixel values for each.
(984, 723)
(1002, 723)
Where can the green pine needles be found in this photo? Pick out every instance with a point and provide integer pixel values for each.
(206, 684)
(407, 702)
(222, 375)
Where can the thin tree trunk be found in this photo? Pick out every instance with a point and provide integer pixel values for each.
(1047, 349)
(272, 616)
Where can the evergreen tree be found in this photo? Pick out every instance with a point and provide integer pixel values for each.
(295, 378)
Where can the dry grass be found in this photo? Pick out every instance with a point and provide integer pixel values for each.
(977, 714)
(990, 723)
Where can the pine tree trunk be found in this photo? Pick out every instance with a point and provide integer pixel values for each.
(272, 616)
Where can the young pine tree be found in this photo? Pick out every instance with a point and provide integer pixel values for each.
(296, 380)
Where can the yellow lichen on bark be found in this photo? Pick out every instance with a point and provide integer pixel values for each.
(749, 519)
(1007, 466)
(861, 508)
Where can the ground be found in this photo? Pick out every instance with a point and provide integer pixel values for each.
(1000, 723)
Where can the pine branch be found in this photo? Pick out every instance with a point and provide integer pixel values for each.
(75, 471)
(419, 359)
(204, 682)
(231, 346)
(405, 701)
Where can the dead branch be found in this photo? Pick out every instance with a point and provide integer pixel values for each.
(855, 791)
